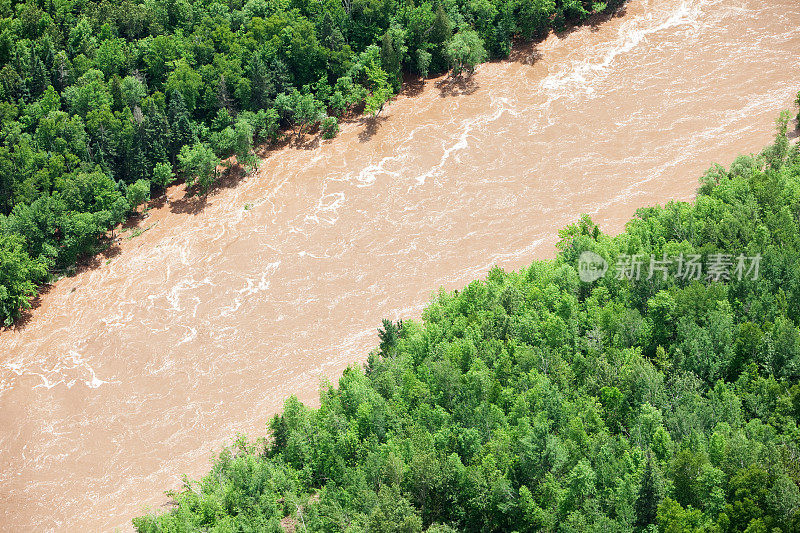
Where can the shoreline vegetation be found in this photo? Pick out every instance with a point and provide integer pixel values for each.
(535, 401)
(103, 105)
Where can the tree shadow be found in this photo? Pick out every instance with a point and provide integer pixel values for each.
(457, 86)
(525, 52)
(264, 151)
(133, 221)
(230, 177)
(231, 173)
(595, 21)
(111, 249)
(794, 133)
(158, 202)
(413, 85)
(195, 199)
(27, 314)
(190, 204)
(568, 29)
(371, 125)
(130, 223)
(308, 142)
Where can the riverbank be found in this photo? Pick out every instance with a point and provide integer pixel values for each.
(451, 84)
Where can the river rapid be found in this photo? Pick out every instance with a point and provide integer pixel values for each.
(198, 325)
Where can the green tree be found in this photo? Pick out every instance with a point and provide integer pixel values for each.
(650, 494)
(243, 143)
(186, 81)
(138, 193)
(673, 518)
(18, 277)
(465, 50)
(199, 164)
(89, 92)
(162, 175)
(534, 17)
(301, 111)
(330, 127)
(423, 62)
(181, 130)
(393, 513)
(393, 51)
(132, 91)
(439, 34)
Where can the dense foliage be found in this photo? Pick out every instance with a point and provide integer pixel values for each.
(536, 401)
(100, 102)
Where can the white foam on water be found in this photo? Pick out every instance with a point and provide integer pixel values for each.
(68, 370)
(500, 105)
(581, 75)
(368, 175)
(326, 209)
(252, 286)
(183, 286)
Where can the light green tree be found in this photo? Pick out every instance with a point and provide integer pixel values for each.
(18, 274)
(243, 143)
(300, 110)
(465, 50)
(162, 175)
(138, 193)
(199, 164)
(330, 127)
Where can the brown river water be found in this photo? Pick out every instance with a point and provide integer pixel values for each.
(131, 373)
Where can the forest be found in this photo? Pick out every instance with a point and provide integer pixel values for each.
(535, 401)
(104, 104)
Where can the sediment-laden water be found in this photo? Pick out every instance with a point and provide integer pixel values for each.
(130, 373)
